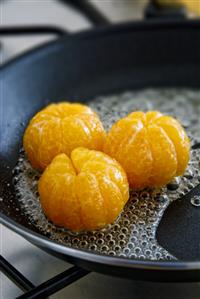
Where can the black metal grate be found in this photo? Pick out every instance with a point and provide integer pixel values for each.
(45, 289)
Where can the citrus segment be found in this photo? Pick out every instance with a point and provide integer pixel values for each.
(180, 140)
(164, 160)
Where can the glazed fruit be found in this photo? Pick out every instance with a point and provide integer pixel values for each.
(59, 128)
(151, 147)
(84, 192)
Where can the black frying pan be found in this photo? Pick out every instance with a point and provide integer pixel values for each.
(82, 66)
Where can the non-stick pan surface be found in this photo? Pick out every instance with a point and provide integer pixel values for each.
(80, 67)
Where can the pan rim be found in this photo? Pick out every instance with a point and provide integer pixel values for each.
(102, 31)
(83, 254)
(38, 239)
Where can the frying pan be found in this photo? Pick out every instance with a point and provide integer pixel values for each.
(81, 66)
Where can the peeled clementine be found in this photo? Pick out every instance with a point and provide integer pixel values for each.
(60, 128)
(85, 191)
(151, 147)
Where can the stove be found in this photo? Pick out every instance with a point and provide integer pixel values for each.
(26, 265)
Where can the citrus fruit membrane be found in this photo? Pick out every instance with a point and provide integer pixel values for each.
(133, 234)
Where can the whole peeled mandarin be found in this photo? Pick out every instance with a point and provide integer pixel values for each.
(83, 192)
(60, 128)
(151, 147)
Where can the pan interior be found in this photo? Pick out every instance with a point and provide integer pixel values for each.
(133, 235)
